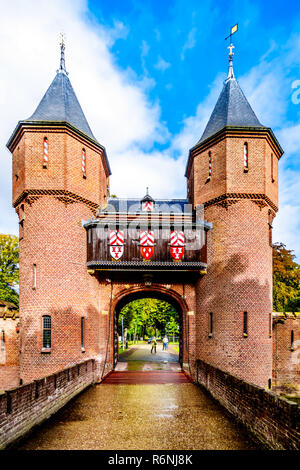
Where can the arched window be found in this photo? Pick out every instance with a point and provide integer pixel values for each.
(45, 153)
(209, 164)
(46, 332)
(83, 163)
(246, 157)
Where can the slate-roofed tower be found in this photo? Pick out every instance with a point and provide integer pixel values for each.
(233, 172)
(60, 177)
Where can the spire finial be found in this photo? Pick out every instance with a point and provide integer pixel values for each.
(147, 191)
(230, 68)
(62, 66)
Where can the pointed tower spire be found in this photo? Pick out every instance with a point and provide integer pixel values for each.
(62, 66)
(232, 107)
(230, 75)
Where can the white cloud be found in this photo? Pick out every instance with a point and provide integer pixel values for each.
(162, 64)
(189, 43)
(134, 170)
(287, 221)
(117, 106)
(290, 140)
(114, 101)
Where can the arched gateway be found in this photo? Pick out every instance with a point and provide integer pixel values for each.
(83, 254)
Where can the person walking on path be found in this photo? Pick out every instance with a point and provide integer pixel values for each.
(153, 344)
(165, 343)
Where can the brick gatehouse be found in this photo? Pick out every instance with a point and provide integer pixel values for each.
(84, 254)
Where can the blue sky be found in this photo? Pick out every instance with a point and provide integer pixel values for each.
(147, 74)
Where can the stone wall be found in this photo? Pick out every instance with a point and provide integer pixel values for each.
(286, 352)
(272, 420)
(24, 407)
(9, 346)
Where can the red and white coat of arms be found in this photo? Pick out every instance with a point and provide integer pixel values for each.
(147, 206)
(147, 244)
(116, 242)
(177, 245)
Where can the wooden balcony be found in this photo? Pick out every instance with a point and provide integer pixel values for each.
(194, 257)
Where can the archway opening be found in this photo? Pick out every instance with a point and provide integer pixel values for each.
(148, 332)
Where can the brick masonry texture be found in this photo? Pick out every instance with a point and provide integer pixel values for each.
(51, 204)
(9, 352)
(52, 238)
(272, 420)
(286, 352)
(29, 405)
(240, 206)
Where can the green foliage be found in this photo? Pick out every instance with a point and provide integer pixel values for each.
(286, 280)
(147, 315)
(9, 268)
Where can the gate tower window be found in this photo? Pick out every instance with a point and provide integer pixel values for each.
(245, 324)
(47, 332)
(45, 153)
(246, 157)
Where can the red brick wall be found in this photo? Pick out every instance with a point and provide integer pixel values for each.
(286, 356)
(54, 240)
(228, 175)
(271, 420)
(29, 405)
(9, 354)
(238, 279)
(239, 274)
(63, 171)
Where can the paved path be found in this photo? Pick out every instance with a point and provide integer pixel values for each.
(137, 377)
(140, 417)
(142, 353)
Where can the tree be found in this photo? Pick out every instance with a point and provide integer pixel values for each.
(147, 315)
(9, 268)
(286, 280)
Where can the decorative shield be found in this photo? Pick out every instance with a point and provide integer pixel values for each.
(147, 206)
(147, 252)
(116, 242)
(177, 245)
(116, 252)
(177, 252)
(147, 244)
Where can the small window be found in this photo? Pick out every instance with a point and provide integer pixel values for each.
(269, 384)
(82, 332)
(83, 163)
(34, 277)
(21, 229)
(45, 153)
(2, 340)
(270, 221)
(245, 324)
(210, 324)
(46, 332)
(209, 164)
(272, 168)
(292, 340)
(246, 157)
(270, 235)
